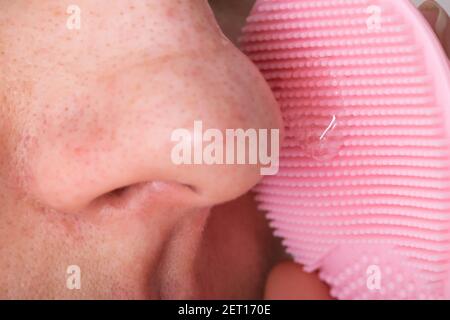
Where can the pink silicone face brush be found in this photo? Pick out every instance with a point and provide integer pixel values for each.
(363, 191)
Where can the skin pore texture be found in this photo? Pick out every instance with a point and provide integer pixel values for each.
(85, 171)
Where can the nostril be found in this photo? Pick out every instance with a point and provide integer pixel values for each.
(116, 193)
(143, 194)
(116, 198)
(191, 188)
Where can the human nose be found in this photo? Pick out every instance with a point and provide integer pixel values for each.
(122, 136)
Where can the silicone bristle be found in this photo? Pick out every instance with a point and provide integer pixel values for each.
(364, 179)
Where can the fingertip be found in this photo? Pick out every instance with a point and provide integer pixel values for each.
(439, 21)
(430, 10)
(288, 281)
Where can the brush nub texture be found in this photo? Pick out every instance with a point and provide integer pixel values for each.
(363, 189)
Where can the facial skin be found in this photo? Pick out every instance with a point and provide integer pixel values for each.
(85, 172)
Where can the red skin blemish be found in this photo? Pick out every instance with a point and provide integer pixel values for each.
(170, 13)
(79, 151)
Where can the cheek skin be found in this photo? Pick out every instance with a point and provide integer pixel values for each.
(238, 234)
(230, 260)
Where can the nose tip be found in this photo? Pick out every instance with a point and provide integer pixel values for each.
(122, 131)
(233, 99)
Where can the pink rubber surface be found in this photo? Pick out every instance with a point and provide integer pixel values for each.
(364, 178)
